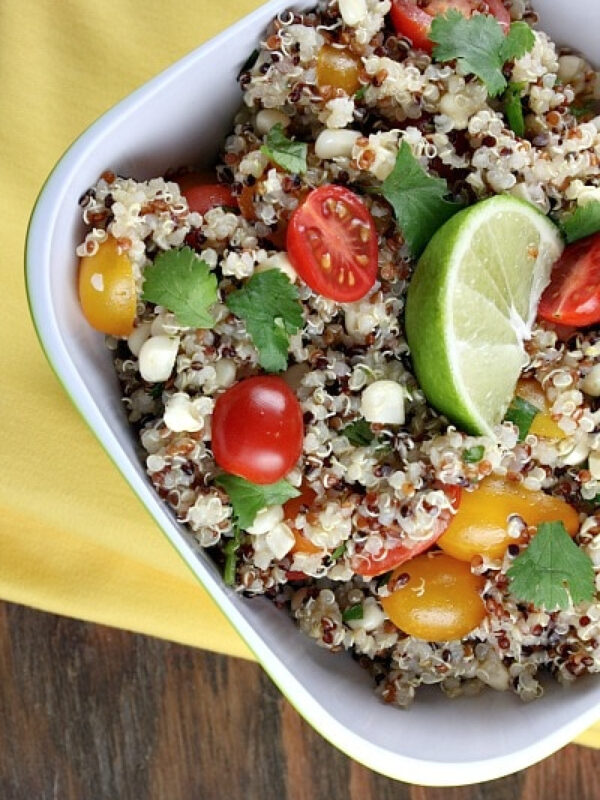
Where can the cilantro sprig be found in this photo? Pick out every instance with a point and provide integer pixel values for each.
(418, 199)
(183, 284)
(584, 221)
(269, 306)
(248, 498)
(479, 45)
(288, 154)
(553, 571)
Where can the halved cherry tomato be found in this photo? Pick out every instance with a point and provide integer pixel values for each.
(573, 297)
(338, 67)
(480, 525)
(400, 550)
(257, 429)
(439, 598)
(202, 192)
(413, 19)
(107, 289)
(332, 243)
(291, 509)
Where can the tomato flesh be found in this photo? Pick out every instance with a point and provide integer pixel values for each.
(332, 243)
(202, 192)
(414, 20)
(107, 289)
(257, 429)
(400, 552)
(573, 296)
(439, 598)
(480, 525)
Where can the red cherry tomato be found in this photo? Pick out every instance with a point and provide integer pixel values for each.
(257, 429)
(202, 192)
(332, 243)
(373, 565)
(414, 20)
(573, 297)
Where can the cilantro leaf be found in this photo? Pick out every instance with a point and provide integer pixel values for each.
(584, 221)
(358, 433)
(479, 45)
(230, 550)
(513, 107)
(522, 414)
(418, 200)
(269, 306)
(283, 151)
(183, 284)
(248, 498)
(473, 455)
(517, 42)
(552, 570)
(585, 108)
(360, 93)
(352, 612)
(339, 551)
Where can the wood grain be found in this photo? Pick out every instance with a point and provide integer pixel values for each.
(92, 713)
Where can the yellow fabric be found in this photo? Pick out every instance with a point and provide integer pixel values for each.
(73, 538)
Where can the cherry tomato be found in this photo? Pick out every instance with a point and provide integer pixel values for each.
(401, 551)
(542, 425)
(332, 243)
(438, 598)
(107, 290)
(202, 192)
(257, 429)
(291, 509)
(413, 20)
(573, 297)
(338, 67)
(480, 525)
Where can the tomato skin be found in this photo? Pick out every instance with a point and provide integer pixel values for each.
(291, 509)
(338, 67)
(257, 429)
(414, 21)
(332, 243)
(370, 567)
(573, 296)
(202, 192)
(107, 289)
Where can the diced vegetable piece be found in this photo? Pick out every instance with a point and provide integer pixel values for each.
(107, 289)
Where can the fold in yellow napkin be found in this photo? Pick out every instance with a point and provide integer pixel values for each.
(73, 538)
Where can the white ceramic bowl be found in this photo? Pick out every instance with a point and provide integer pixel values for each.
(437, 742)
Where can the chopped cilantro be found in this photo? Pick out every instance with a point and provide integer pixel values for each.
(479, 45)
(584, 221)
(183, 284)
(472, 455)
(553, 571)
(352, 612)
(269, 306)
(522, 414)
(360, 93)
(418, 199)
(230, 550)
(248, 63)
(157, 390)
(358, 433)
(513, 107)
(585, 108)
(248, 498)
(338, 552)
(288, 154)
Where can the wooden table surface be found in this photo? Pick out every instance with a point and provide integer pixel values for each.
(92, 713)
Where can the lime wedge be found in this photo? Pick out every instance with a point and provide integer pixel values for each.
(471, 304)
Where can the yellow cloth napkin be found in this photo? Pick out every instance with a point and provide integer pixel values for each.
(73, 538)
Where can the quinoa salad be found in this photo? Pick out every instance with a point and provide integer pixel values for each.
(373, 478)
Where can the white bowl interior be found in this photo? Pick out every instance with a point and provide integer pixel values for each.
(181, 117)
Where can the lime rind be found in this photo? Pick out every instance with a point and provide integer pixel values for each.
(471, 305)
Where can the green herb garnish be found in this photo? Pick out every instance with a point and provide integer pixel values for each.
(359, 433)
(248, 63)
(513, 107)
(338, 552)
(157, 390)
(248, 498)
(360, 93)
(352, 612)
(522, 414)
(230, 550)
(269, 306)
(587, 108)
(288, 154)
(473, 454)
(552, 571)
(418, 199)
(584, 221)
(479, 45)
(183, 284)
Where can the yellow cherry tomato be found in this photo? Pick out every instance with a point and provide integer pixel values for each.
(107, 290)
(543, 425)
(480, 526)
(338, 67)
(440, 599)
